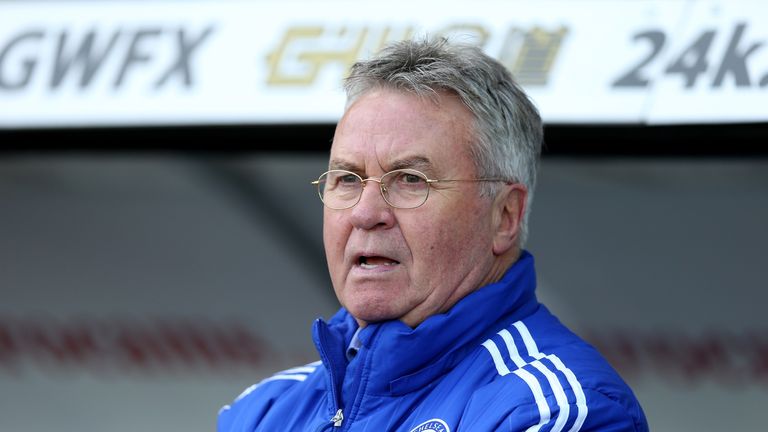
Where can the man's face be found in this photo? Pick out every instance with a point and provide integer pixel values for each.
(387, 263)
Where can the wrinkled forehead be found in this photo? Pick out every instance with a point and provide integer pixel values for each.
(401, 130)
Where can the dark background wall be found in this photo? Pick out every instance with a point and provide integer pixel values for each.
(152, 272)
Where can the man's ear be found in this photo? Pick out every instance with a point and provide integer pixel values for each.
(509, 208)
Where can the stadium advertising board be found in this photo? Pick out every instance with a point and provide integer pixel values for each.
(132, 63)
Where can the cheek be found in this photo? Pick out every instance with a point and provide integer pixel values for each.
(436, 248)
(334, 238)
(454, 241)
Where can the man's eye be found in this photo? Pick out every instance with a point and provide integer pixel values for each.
(347, 179)
(411, 178)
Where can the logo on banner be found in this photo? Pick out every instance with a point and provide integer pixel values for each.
(434, 425)
(305, 52)
(530, 54)
(155, 54)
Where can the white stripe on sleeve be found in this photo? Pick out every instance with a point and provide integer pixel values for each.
(557, 389)
(581, 400)
(530, 345)
(512, 348)
(302, 369)
(501, 367)
(538, 396)
(295, 377)
(249, 390)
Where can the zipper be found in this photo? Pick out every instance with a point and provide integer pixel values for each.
(337, 419)
(335, 422)
(333, 364)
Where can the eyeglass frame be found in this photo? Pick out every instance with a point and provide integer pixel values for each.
(430, 183)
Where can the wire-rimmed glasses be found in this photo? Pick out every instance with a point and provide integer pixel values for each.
(401, 188)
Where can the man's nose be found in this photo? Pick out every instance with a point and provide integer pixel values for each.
(372, 210)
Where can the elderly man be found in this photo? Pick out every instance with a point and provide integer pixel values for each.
(426, 200)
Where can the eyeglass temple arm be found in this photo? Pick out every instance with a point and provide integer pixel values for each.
(469, 180)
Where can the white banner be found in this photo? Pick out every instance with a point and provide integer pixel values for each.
(174, 63)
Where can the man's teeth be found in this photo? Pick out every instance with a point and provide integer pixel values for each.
(370, 266)
(373, 262)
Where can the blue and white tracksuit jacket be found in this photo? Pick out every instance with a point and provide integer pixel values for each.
(497, 361)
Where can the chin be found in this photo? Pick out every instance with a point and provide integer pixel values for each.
(369, 313)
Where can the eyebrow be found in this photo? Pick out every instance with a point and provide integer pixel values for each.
(413, 162)
(338, 164)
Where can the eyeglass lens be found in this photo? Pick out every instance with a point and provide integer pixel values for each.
(401, 188)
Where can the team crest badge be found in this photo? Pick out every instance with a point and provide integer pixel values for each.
(434, 425)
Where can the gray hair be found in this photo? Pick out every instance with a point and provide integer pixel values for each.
(508, 129)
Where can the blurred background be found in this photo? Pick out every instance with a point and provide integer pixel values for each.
(160, 244)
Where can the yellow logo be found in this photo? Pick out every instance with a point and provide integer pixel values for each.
(304, 52)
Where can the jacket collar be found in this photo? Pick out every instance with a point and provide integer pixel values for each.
(440, 342)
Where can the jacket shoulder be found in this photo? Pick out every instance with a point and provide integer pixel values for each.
(546, 375)
(245, 412)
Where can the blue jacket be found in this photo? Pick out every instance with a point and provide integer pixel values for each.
(497, 361)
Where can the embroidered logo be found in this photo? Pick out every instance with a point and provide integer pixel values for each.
(434, 425)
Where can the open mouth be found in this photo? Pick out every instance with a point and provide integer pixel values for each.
(371, 262)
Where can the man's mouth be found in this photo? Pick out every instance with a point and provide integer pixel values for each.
(372, 262)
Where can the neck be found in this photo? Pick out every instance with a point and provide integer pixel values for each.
(500, 265)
